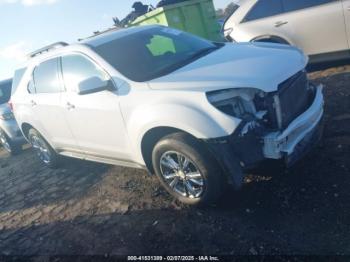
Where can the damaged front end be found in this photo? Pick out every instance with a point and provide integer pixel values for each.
(283, 124)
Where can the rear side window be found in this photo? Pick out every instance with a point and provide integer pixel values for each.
(46, 78)
(5, 91)
(293, 5)
(76, 69)
(265, 8)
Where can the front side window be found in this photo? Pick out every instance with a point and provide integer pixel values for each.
(154, 52)
(46, 78)
(293, 5)
(265, 8)
(76, 69)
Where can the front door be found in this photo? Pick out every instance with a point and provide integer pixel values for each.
(95, 118)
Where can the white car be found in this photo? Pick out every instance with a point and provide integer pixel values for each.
(194, 112)
(321, 28)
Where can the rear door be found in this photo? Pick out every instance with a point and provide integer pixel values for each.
(46, 91)
(316, 26)
(261, 21)
(346, 9)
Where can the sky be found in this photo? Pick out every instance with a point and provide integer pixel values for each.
(26, 25)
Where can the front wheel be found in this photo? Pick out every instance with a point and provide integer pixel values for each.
(44, 151)
(187, 170)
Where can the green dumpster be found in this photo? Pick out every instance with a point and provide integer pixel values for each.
(197, 17)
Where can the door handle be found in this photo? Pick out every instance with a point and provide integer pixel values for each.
(33, 103)
(280, 23)
(70, 106)
(348, 8)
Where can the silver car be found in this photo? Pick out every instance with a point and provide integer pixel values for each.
(321, 28)
(10, 135)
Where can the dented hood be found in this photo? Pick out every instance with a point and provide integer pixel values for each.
(246, 65)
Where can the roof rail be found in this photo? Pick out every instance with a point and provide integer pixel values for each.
(47, 49)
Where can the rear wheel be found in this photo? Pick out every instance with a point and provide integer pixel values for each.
(43, 150)
(8, 144)
(187, 170)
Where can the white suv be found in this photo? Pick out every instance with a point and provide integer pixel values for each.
(194, 112)
(321, 28)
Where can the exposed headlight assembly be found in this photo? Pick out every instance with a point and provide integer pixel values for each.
(234, 102)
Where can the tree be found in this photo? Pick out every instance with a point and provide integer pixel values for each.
(230, 9)
(220, 13)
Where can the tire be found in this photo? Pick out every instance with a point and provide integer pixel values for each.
(6, 142)
(195, 178)
(45, 152)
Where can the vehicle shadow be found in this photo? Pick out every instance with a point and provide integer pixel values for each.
(296, 212)
(26, 183)
(303, 210)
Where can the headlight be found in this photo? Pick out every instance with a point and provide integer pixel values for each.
(7, 116)
(234, 102)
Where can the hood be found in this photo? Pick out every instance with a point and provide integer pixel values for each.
(5, 109)
(246, 65)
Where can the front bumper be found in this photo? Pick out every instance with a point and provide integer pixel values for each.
(236, 153)
(278, 145)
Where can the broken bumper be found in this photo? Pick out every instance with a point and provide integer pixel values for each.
(236, 153)
(299, 136)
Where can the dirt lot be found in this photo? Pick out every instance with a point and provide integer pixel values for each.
(88, 208)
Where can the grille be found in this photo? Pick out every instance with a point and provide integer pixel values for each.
(294, 96)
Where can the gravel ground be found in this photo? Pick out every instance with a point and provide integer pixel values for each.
(88, 208)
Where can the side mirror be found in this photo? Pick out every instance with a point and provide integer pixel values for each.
(93, 85)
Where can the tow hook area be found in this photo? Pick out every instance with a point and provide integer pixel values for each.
(225, 156)
(248, 127)
(240, 151)
(309, 142)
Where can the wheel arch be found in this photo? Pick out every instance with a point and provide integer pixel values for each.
(151, 138)
(271, 39)
(25, 127)
(193, 121)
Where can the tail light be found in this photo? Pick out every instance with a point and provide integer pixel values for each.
(10, 105)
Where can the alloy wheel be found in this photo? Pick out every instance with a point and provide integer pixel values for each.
(182, 175)
(41, 149)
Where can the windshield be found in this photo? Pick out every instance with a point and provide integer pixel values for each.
(151, 53)
(5, 91)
